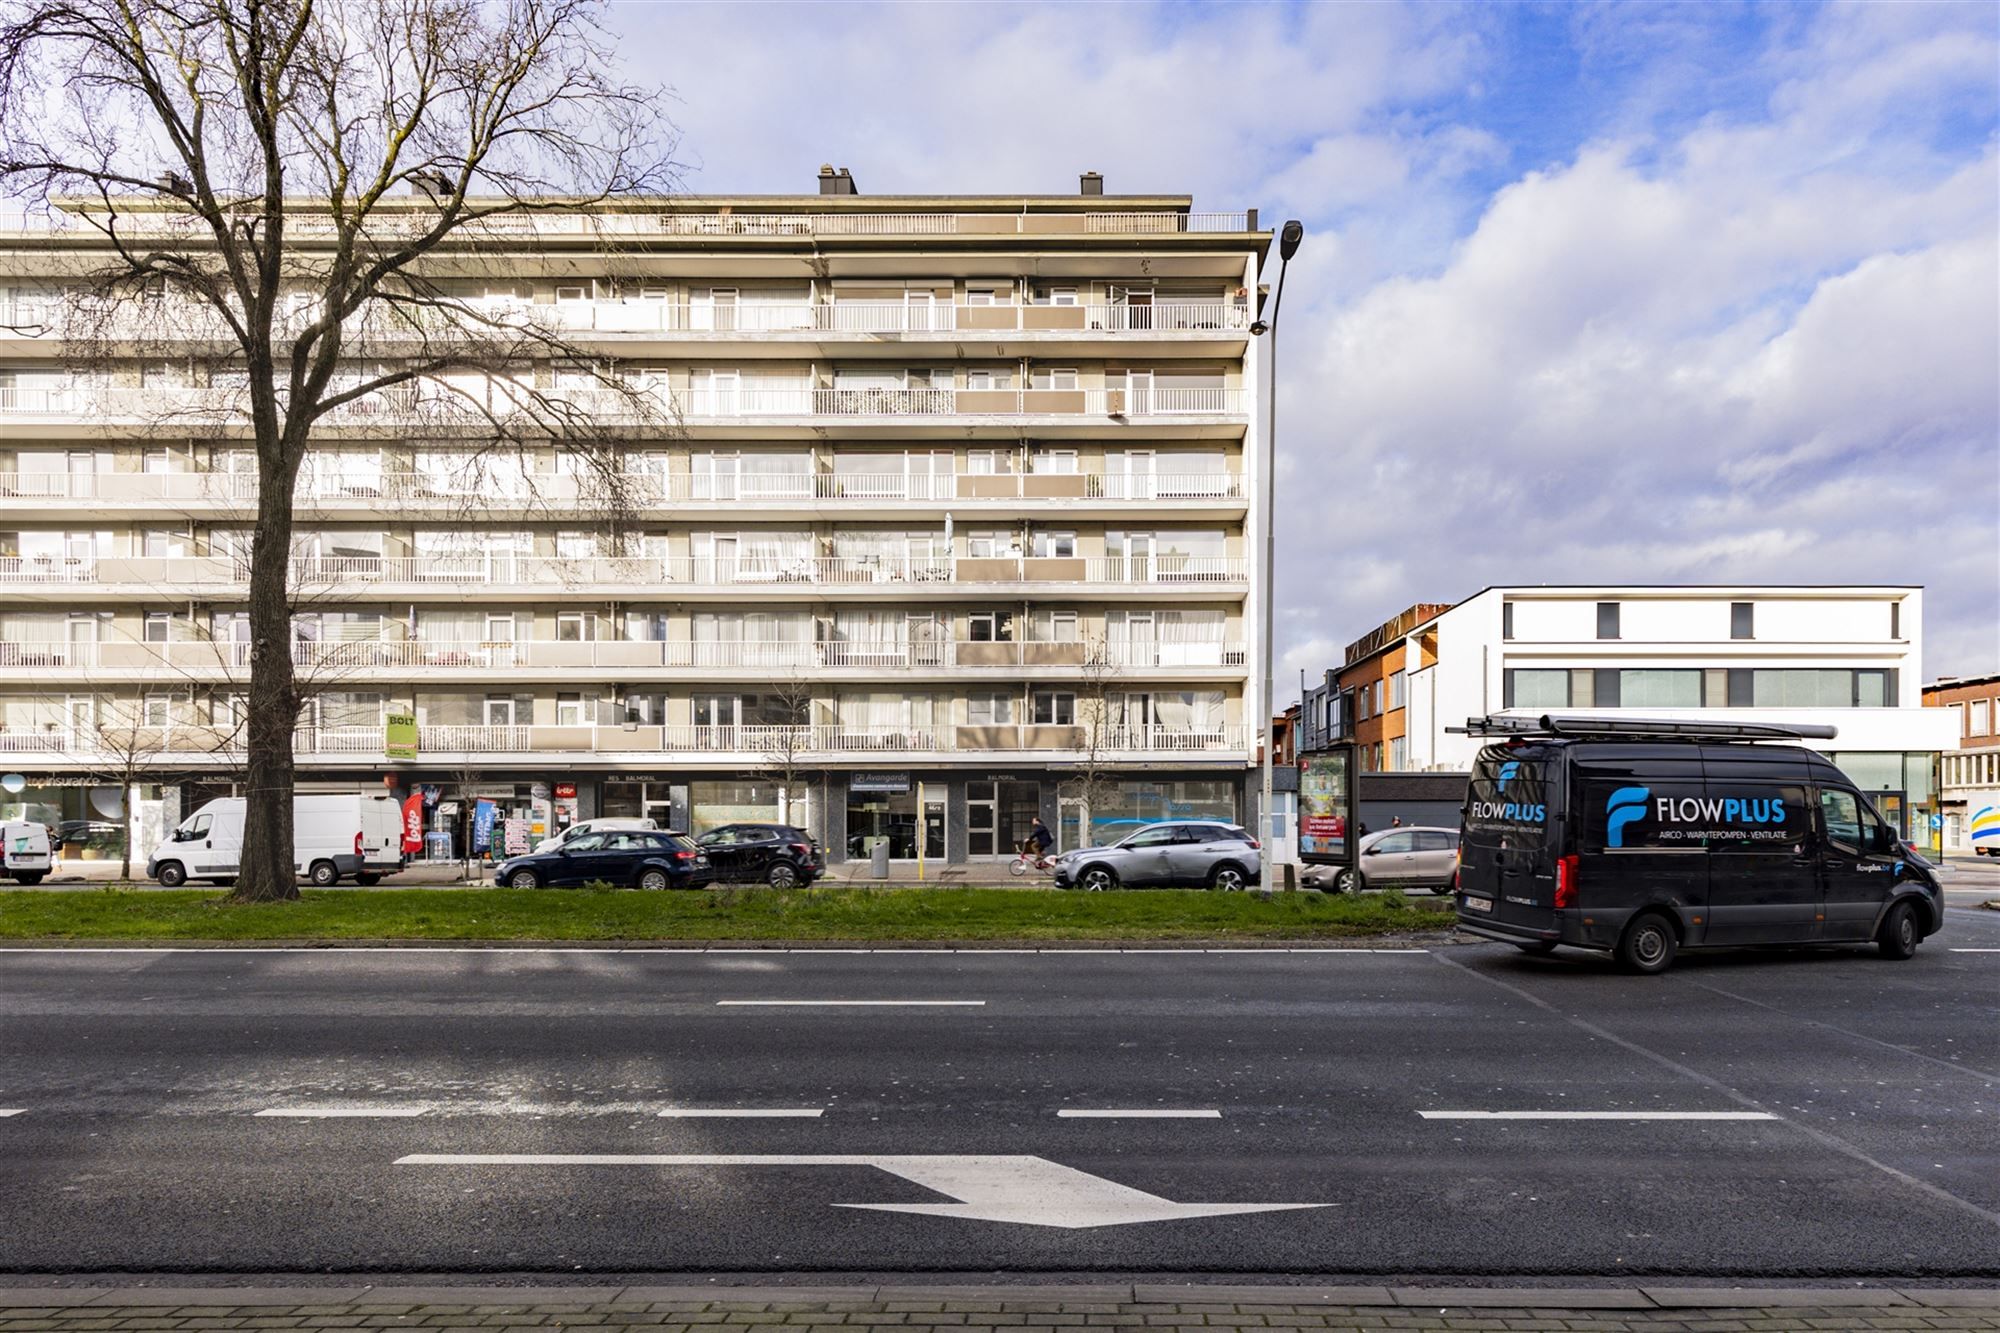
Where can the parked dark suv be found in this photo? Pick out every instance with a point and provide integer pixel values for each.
(774, 854)
(639, 857)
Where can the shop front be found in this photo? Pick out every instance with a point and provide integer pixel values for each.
(92, 817)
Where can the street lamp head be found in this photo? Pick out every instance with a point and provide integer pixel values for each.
(1289, 238)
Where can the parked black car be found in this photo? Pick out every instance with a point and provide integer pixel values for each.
(774, 854)
(638, 857)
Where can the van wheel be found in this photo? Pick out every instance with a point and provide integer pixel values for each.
(654, 881)
(782, 877)
(1440, 890)
(1228, 878)
(1899, 935)
(1535, 946)
(1648, 946)
(367, 879)
(172, 875)
(523, 879)
(323, 875)
(30, 877)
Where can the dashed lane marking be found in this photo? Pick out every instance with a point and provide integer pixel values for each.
(1160, 1113)
(744, 1112)
(849, 1004)
(1597, 1115)
(341, 1112)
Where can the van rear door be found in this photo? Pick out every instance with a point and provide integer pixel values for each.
(1508, 843)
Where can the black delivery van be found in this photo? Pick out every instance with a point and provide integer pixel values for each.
(1644, 838)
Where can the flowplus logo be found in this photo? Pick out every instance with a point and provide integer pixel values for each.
(1507, 772)
(1625, 806)
(1508, 812)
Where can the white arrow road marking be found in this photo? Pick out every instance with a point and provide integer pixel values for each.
(1597, 1115)
(17, 1111)
(1029, 1191)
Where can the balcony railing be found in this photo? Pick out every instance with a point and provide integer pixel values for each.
(217, 407)
(477, 487)
(322, 573)
(196, 656)
(167, 744)
(638, 223)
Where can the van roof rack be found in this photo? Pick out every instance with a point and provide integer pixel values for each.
(1642, 728)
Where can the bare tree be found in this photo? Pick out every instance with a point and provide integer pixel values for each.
(299, 172)
(124, 745)
(788, 746)
(1094, 783)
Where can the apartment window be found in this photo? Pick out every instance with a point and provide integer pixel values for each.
(1536, 688)
(1397, 684)
(1053, 377)
(1399, 753)
(1055, 544)
(991, 627)
(1957, 712)
(499, 710)
(989, 462)
(1506, 620)
(1056, 296)
(1979, 718)
(991, 545)
(981, 296)
(159, 710)
(159, 627)
(1742, 620)
(1054, 709)
(567, 293)
(1607, 620)
(576, 627)
(1657, 689)
(569, 710)
(989, 708)
(1055, 626)
(1895, 620)
(1361, 704)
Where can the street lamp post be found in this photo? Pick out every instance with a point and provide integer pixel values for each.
(1289, 237)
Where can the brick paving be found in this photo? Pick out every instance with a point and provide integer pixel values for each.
(983, 1310)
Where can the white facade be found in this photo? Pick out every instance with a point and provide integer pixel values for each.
(1846, 657)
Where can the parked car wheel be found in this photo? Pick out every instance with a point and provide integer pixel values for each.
(1348, 881)
(1535, 946)
(172, 875)
(1899, 936)
(524, 879)
(1229, 878)
(782, 877)
(367, 879)
(1648, 945)
(323, 874)
(654, 880)
(1097, 879)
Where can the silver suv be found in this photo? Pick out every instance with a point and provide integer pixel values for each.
(1395, 858)
(1174, 854)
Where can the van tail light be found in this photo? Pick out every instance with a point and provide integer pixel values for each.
(359, 844)
(1566, 881)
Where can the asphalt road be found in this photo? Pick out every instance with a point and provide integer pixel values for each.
(138, 1075)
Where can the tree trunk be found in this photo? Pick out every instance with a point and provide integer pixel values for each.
(266, 873)
(131, 829)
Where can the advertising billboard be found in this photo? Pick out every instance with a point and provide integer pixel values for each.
(1327, 802)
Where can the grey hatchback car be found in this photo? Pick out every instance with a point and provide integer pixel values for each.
(1395, 857)
(1174, 854)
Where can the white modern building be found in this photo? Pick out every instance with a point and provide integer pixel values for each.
(945, 499)
(1847, 657)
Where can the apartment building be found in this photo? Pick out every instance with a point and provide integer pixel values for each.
(1849, 657)
(946, 500)
(1970, 779)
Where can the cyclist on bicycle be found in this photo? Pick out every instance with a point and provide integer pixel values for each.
(1038, 841)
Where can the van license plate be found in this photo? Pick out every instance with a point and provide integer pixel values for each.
(1479, 904)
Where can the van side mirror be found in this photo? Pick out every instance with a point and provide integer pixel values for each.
(1882, 838)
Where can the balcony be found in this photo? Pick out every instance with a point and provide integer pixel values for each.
(446, 576)
(203, 659)
(169, 409)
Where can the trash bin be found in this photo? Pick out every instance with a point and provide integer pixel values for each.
(878, 859)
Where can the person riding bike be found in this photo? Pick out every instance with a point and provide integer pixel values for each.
(1038, 841)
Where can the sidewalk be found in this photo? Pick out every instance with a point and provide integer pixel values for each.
(952, 1309)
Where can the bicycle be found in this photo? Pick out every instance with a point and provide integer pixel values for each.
(1027, 860)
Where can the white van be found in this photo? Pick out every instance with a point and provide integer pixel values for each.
(25, 855)
(333, 837)
(584, 826)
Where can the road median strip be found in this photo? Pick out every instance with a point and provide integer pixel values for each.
(739, 917)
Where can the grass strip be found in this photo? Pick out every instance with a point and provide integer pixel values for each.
(737, 914)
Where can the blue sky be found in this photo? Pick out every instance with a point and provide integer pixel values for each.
(1647, 292)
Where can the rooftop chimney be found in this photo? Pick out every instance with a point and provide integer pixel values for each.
(836, 182)
(1093, 182)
